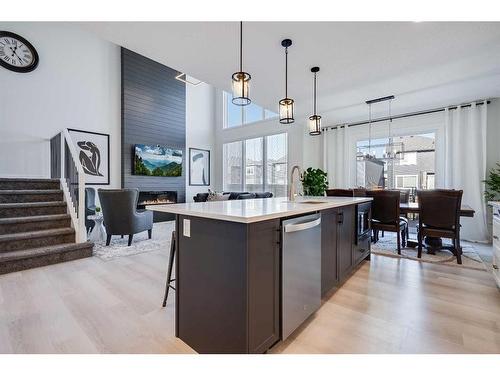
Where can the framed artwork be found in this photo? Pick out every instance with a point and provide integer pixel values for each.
(93, 153)
(199, 167)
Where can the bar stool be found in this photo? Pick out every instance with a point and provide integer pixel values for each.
(168, 285)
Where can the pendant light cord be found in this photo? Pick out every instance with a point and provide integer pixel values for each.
(286, 72)
(241, 46)
(314, 94)
(369, 129)
(391, 148)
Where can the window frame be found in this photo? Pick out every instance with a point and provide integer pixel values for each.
(243, 179)
(225, 109)
(403, 176)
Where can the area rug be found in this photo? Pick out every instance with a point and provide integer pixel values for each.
(141, 244)
(386, 246)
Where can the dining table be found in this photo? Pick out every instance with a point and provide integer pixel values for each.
(432, 244)
(413, 208)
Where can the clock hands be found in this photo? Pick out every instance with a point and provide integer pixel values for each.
(14, 53)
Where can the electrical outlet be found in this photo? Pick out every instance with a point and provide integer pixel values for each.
(187, 227)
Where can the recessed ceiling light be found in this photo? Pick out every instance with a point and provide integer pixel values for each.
(183, 77)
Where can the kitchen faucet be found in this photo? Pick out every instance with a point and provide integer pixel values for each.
(292, 188)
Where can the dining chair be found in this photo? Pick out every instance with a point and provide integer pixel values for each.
(405, 198)
(340, 193)
(386, 215)
(439, 216)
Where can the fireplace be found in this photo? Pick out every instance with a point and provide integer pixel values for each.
(150, 198)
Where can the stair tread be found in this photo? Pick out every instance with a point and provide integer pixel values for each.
(30, 219)
(35, 234)
(41, 251)
(31, 191)
(32, 204)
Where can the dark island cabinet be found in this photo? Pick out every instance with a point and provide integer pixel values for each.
(228, 292)
(329, 230)
(341, 251)
(345, 240)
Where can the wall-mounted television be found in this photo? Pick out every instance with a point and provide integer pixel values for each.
(156, 160)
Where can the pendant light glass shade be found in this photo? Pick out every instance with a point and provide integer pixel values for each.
(315, 119)
(286, 105)
(315, 125)
(240, 81)
(286, 111)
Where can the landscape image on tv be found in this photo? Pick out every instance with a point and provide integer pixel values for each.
(155, 160)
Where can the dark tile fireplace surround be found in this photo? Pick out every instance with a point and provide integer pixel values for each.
(153, 112)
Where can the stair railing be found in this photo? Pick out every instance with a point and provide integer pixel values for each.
(65, 165)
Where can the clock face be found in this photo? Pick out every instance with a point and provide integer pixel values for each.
(16, 53)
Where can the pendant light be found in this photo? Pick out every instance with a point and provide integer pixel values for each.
(314, 120)
(286, 104)
(241, 80)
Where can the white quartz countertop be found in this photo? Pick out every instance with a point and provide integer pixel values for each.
(254, 210)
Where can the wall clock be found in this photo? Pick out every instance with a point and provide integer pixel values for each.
(16, 53)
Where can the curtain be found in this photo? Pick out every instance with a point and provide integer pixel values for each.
(465, 164)
(337, 157)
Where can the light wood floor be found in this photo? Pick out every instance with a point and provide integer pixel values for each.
(388, 306)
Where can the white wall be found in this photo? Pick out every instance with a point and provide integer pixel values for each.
(200, 129)
(76, 85)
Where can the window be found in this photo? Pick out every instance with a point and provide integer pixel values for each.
(238, 116)
(406, 182)
(233, 165)
(277, 164)
(416, 168)
(264, 165)
(254, 158)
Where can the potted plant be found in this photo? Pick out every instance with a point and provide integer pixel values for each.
(97, 210)
(314, 182)
(492, 191)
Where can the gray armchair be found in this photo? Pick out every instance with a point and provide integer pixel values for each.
(119, 208)
(89, 208)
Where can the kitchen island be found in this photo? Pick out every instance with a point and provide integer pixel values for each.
(248, 272)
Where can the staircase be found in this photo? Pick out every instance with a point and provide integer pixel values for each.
(35, 227)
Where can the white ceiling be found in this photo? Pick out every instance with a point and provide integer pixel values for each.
(425, 65)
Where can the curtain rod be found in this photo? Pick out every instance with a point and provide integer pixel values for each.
(410, 114)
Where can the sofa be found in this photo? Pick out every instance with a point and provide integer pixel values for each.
(233, 195)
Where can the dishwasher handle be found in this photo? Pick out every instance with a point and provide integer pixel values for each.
(302, 226)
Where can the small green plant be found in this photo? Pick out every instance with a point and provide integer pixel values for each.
(492, 191)
(98, 209)
(314, 182)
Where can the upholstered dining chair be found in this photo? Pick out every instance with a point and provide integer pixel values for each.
(121, 216)
(439, 216)
(386, 215)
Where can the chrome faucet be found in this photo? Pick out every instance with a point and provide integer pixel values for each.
(292, 188)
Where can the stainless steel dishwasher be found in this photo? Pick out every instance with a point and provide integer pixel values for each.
(301, 270)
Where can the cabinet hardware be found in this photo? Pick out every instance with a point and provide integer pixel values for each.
(341, 218)
(495, 267)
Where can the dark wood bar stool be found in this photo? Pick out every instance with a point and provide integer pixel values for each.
(168, 284)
